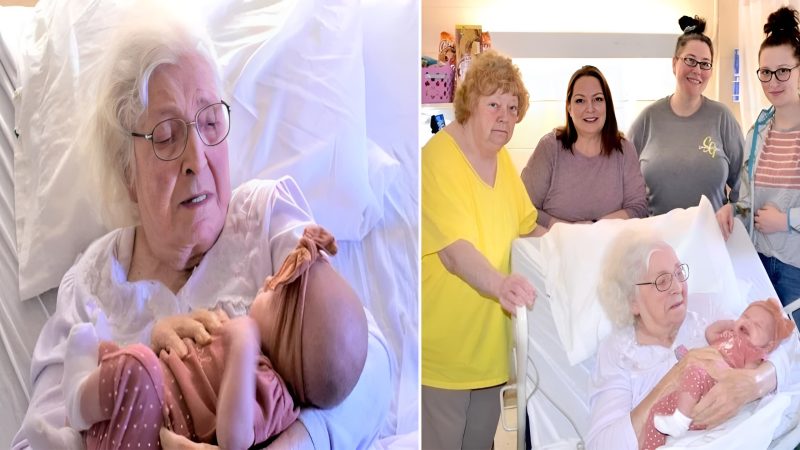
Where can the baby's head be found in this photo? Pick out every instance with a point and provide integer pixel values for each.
(764, 324)
(333, 339)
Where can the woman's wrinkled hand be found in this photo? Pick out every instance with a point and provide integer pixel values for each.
(172, 441)
(515, 290)
(770, 219)
(168, 332)
(725, 220)
(734, 389)
(706, 358)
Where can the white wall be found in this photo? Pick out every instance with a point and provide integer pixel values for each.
(634, 82)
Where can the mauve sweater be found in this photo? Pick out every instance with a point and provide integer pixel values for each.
(574, 188)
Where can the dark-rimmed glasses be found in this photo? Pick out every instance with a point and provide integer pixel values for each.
(781, 73)
(664, 281)
(691, 62)
(169, 137)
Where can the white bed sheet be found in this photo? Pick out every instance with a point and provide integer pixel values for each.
(557, 393)
(381, 266)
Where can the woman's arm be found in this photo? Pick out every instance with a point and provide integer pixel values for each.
(537, 176)
(237, 392)
(734, 389)
(634, 192)
(538, 231)
(295, 437)
(706, 358)
(610, 402)
(618, 214)
(733, 144)
(463, 260)
(46, 415)
(552, 220)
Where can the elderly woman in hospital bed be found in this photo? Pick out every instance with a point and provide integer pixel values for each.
(251, 374)
(158, 134)
(644, 293)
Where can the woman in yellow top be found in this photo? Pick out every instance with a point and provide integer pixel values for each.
(473, 205)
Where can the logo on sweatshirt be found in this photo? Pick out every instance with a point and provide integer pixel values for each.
(709, 146)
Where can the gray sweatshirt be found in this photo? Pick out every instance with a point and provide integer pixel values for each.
(683, 158)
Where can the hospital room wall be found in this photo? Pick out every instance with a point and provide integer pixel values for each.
(635, 82)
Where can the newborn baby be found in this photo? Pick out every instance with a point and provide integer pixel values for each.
(744, 343)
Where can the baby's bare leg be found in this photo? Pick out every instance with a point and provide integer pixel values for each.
(90, 399)
(237, 394)
(690, 390)
(686, 402)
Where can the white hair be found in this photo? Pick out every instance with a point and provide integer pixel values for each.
(139, 46)
(625, 264)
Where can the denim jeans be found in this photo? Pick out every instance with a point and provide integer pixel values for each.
(786, 280)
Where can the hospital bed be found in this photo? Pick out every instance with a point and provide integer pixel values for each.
(554, 391)
(293, 72)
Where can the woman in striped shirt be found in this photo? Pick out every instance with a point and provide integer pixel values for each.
(770, 188)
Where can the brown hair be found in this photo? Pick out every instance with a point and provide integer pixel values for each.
(782, 29)
(692, 28)
(489, 72)
(611, 136)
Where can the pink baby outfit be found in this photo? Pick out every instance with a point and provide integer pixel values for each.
(145, 392)
(735, 349)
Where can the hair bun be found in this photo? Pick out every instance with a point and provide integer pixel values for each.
(782, 21)
(692, 24)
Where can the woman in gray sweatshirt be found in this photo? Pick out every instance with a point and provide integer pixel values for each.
(689, 145)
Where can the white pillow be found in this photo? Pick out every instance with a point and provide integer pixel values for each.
(574, 255)
(292, 71)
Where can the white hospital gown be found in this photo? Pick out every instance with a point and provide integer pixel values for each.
(264, 222)
(626, 372)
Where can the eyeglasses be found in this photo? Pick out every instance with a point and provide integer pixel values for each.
(691, 62)
(169, 137)
(664, 281)
(781, 73)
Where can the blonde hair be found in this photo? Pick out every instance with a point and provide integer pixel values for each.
(138, 47)
(488, 73)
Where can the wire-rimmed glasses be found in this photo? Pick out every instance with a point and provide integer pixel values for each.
(781, 73)
(691, 62)
(169, 137)
(664, 281)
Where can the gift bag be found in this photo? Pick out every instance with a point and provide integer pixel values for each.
(437, 84)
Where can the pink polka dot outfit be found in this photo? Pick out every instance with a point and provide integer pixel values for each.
(736, 350)
(144, 392)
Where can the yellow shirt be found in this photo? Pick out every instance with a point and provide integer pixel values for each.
(464, 334)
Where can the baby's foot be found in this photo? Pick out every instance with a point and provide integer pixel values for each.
(675, 425)
(79, 362)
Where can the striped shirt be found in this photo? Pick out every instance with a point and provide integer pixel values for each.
(779, 161)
